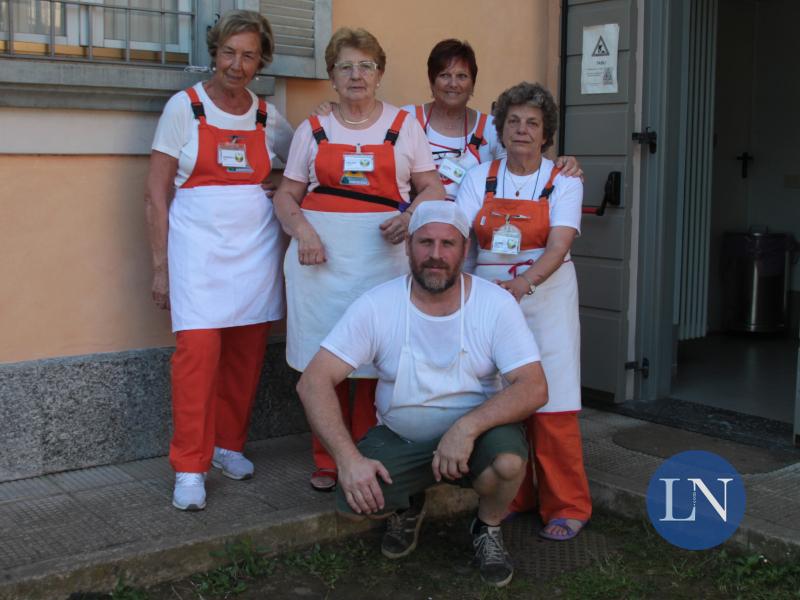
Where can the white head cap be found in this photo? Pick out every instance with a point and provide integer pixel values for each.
(439, 211)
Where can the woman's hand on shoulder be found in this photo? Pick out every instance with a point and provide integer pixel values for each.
(324, 109)
(394, 230)
(517, 287)
(570, 167)
(310, 250)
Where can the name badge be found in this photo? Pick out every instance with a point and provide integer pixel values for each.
(507, 239)
(359, 163)
(452, 170)
(232, 155)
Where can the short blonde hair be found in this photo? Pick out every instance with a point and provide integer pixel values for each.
(241, 21)
(360, 39)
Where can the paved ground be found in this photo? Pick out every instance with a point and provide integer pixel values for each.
(83, 529)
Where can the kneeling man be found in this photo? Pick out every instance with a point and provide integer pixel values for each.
(439, 340)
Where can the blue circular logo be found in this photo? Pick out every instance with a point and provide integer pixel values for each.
(696, 500)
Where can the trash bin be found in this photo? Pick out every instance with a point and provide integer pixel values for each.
(756, 280)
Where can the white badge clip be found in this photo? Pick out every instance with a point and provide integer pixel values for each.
(359, 163)
(452, 170)
(507, 239)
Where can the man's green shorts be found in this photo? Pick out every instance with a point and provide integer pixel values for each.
(409, 463)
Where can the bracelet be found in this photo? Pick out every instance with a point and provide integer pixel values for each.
(531, 286)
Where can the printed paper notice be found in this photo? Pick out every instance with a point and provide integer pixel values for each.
(599, 63)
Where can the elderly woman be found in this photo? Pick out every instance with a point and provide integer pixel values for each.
(216, 249)
(525, 215)
(348, 177)
(460, 137)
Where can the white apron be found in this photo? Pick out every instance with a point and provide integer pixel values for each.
(552, 315)
(224, 252)
(428, 399)
(358, 259)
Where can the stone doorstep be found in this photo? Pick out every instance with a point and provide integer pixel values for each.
(144, 564)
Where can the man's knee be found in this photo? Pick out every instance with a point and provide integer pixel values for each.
(508, 466)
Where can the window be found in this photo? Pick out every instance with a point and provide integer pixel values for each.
(50, 50)
(96, 30)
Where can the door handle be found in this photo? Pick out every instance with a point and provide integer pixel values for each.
(612, 195)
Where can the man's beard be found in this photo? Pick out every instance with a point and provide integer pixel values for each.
(434, 283)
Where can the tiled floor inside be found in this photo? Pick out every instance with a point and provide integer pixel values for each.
(748, 373)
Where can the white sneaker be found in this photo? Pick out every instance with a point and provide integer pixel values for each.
(190, 491)
(232, 463)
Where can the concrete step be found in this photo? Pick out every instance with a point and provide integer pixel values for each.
(81, 530)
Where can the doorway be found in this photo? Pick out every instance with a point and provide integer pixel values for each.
(752, 177)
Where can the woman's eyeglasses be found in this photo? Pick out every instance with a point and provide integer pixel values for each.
(348, 68)
(442, 154)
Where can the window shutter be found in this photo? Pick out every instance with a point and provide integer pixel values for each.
(302, 29)
(293, 25)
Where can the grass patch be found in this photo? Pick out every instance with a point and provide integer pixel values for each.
(244, 562)
(640, 565)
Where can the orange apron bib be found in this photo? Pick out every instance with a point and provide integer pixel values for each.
(338, 191)
(207, 170)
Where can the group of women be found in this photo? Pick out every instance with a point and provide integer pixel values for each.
(354, 174)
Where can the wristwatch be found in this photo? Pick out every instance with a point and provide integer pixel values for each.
(531, 286)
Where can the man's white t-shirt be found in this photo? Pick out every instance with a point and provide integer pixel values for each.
(497, 340)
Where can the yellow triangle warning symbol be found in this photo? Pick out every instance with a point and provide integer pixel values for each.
(600, 49)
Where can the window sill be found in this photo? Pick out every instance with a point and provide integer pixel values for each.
(40, 83)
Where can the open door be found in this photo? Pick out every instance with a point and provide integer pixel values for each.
(598, 128)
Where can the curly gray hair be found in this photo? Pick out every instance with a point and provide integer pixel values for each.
(530, 94)
(240, 21)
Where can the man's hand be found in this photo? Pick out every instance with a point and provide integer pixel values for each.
(451, 457)
(359, 480)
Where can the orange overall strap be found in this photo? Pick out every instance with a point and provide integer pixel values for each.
(261, 113)
(491, 180)
(477, 140)
(420, 111)
(394, 129)
(197, 106)
(550, 186)
(317, 130)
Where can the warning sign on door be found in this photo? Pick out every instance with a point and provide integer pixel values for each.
(599, 62)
